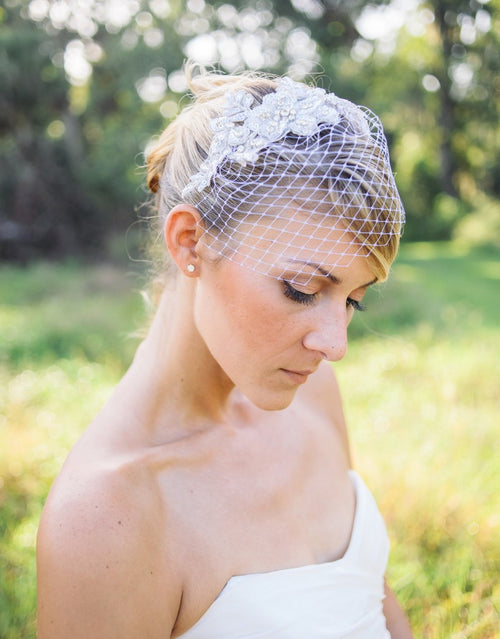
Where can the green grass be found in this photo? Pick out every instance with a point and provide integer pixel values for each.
(422, 398)
(421, 386)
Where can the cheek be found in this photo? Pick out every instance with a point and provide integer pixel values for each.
(220, 319)
(259, 314)
(239, 318)
(262, 326)
(210, 313)
(253, 323)
(350, 315)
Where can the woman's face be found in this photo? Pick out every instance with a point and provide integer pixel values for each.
(268, 334)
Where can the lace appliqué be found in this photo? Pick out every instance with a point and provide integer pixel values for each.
(245, 129)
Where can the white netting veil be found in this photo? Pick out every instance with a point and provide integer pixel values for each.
(301, 176)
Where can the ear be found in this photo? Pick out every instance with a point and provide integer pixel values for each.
(182, 232)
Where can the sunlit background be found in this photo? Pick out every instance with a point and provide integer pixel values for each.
(87, 85)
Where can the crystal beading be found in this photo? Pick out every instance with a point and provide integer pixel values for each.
(247, 127)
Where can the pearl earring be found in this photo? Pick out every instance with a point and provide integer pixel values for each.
(190, 268)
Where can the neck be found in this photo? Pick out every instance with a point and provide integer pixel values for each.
(175, 368)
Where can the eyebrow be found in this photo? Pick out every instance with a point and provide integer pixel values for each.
(330, 276)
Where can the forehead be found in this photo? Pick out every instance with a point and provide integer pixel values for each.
(288, 236)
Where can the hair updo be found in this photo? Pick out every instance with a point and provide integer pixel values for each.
(184, 145)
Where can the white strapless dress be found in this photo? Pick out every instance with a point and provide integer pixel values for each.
(341, 599)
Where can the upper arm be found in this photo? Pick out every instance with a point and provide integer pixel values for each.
(396, 620)
(102, 573)
(324, 393)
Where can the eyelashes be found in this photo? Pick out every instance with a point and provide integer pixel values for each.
(309, 298)
(298, 296)
(357, 306)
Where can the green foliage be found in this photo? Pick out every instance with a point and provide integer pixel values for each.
(420, 386)
(72, 147)
(39, 195)
(71, 155)
(44, 316)
(482, 225)
(117, 124)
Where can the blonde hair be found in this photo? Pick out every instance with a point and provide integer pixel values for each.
(184, 145)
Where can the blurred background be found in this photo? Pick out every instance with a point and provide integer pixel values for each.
(86, 85)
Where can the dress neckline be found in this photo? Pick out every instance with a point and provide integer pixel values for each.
(357, 484)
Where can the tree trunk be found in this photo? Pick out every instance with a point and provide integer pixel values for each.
(447, 111)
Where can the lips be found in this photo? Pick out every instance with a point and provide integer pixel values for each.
(297, 377)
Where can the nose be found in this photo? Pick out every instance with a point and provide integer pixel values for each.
(328, 337)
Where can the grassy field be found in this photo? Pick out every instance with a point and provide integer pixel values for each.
(421, 384)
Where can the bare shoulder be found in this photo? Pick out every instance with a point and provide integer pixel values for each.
(322, 391)
(103, 563)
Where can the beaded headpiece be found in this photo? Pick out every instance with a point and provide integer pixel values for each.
(302, 168)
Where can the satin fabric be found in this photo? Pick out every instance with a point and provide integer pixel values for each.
(334, 600)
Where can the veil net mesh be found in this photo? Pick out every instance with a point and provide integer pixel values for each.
(323, 198)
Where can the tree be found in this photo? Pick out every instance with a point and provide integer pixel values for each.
(41, 203)
(72, 133)
(87, 87)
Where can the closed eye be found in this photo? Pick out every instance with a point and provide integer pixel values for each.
(357, 306)
(298, 296)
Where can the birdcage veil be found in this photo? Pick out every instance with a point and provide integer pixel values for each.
(298, 168)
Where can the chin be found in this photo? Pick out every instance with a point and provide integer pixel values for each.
(273, 402)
